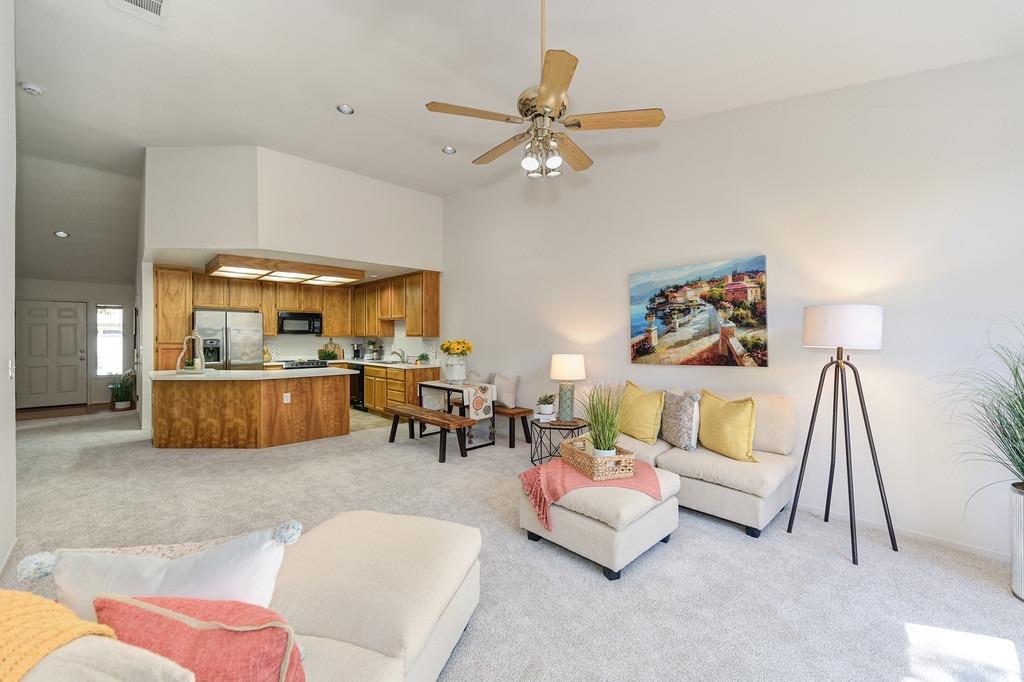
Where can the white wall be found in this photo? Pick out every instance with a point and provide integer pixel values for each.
(92, 294)
(7, 184)
(904, 192)
(307, 207)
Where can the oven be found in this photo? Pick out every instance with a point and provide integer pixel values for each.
(299, 323)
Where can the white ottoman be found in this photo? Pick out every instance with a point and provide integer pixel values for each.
(608, 525)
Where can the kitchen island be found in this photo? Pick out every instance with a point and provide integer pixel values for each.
(249, 408)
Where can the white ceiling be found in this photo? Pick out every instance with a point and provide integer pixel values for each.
(269, 72)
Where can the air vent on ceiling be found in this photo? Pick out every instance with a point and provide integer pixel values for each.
(151, 10)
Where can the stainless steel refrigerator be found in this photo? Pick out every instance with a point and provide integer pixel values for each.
(230, 340)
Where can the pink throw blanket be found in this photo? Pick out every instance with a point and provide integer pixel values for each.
(547, 483)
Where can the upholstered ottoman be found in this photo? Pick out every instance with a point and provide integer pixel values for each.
(610, 526)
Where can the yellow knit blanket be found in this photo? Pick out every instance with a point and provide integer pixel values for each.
(31, 627)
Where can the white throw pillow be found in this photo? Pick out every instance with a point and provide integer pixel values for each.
(102, 659)
(475, 377)
(506, 388)
(241, 569)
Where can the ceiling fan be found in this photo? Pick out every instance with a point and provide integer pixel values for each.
(544, 105)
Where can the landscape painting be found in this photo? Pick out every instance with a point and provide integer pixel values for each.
(707, 314)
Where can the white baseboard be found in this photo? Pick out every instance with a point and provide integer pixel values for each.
(963, 547)
(8, 553)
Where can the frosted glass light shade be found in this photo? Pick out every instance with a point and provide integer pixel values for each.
(843, 326)
(567, 367)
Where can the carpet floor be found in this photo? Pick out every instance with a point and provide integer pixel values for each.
(712, 604)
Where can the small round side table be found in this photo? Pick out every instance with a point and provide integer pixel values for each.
(546, 437)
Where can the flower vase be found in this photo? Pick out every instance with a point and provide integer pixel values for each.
(455, 369)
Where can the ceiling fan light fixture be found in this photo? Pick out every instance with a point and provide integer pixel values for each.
(553, 173)
(553, 160)
(530, 162)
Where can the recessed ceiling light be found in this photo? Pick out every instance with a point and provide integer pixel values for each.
(31, 88)
(61, 234)
(345, 109)
(448, 149)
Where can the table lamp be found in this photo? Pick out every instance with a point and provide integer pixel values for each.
(842, 327)
(567, 368)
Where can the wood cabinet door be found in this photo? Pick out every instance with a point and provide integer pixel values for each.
(172, 295)
(209, 292)
(414, 304)
(311, 297)
(383, 301)
(397, 286)
(268, 306)
(359, 311)
(167, 355)
(289, 298)
(338, 311)
(244, 294)
(380, 390)
(372, 321)
(431, 304)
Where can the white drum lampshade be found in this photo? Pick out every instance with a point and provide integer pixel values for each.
(567, 368)
(843, 326)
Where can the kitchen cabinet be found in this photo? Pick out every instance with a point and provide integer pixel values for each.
(337, 307)
(268, 306)
(374, 325)
(167, 355)
(311, 296)
(289, 297)
(423, 304)
(244, 294)
(391, 299)
(359, 311)
(209, 292)
(172, 321)
(375, 388)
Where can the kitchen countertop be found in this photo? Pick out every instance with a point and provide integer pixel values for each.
(250, 375)
(373, 363)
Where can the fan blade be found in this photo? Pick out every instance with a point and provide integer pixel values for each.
(571, 152)
(555, 76)
(634, 118)
(503, 148)
(442, 108)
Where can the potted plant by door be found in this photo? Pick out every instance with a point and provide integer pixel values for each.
(546, 404)
(602, 406)
(455, 366)
(122, 392)
(991, 401)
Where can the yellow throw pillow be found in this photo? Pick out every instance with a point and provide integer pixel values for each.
(727, 427)
(641, 413)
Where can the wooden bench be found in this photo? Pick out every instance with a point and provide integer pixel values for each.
(444, 421)
(523, 413)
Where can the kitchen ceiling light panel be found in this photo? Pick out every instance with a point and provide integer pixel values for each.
(278, 278)
(331, 279)
(233, 275)
(293, 275)
(243, 271)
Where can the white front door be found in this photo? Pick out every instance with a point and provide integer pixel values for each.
(51, 353)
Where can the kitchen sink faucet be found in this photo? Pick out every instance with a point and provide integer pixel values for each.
(401, 355)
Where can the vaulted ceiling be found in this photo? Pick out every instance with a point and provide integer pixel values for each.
(270, 73)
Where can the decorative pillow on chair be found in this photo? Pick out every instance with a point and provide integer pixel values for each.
(478, 378)
(506, 387)
(727, 427)
(641, 413)
(680, 419)
(243, 569)
(217, 640)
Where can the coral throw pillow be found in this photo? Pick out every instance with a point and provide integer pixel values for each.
(217, 640)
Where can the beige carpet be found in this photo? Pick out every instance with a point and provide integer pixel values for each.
(712, 604)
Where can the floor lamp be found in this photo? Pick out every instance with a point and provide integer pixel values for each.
(842, 327)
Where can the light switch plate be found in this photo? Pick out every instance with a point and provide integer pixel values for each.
(287, 398)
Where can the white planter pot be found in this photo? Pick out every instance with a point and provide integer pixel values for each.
(604, 453)
(546, 409)
(122, 404)
(1017, 544)
(455, 369)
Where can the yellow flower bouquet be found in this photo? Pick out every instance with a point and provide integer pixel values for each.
(457, 347)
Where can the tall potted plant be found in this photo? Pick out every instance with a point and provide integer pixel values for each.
(602, 407)
(455, 366)
(122, 391)
(992, 402)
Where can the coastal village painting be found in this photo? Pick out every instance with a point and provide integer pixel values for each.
(707, 314)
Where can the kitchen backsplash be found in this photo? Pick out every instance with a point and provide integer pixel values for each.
(301, 346)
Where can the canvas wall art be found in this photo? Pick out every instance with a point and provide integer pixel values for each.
(707, 314)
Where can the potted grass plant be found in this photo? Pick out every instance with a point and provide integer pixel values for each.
(991, 401)
(122, 391)
(546, 404)
(602, 407)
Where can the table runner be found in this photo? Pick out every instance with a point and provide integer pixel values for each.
(478, 398)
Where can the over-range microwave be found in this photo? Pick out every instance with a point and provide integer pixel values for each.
(299, 323)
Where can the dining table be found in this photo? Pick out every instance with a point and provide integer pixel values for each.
(477, 402)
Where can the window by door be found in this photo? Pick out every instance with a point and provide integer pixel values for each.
(109, 340)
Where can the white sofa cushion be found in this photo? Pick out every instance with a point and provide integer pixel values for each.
(102, 659)
(618, 507)
(759, 478)
(328, 659)
(645, 452)
(379, 581)
(774, 421)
